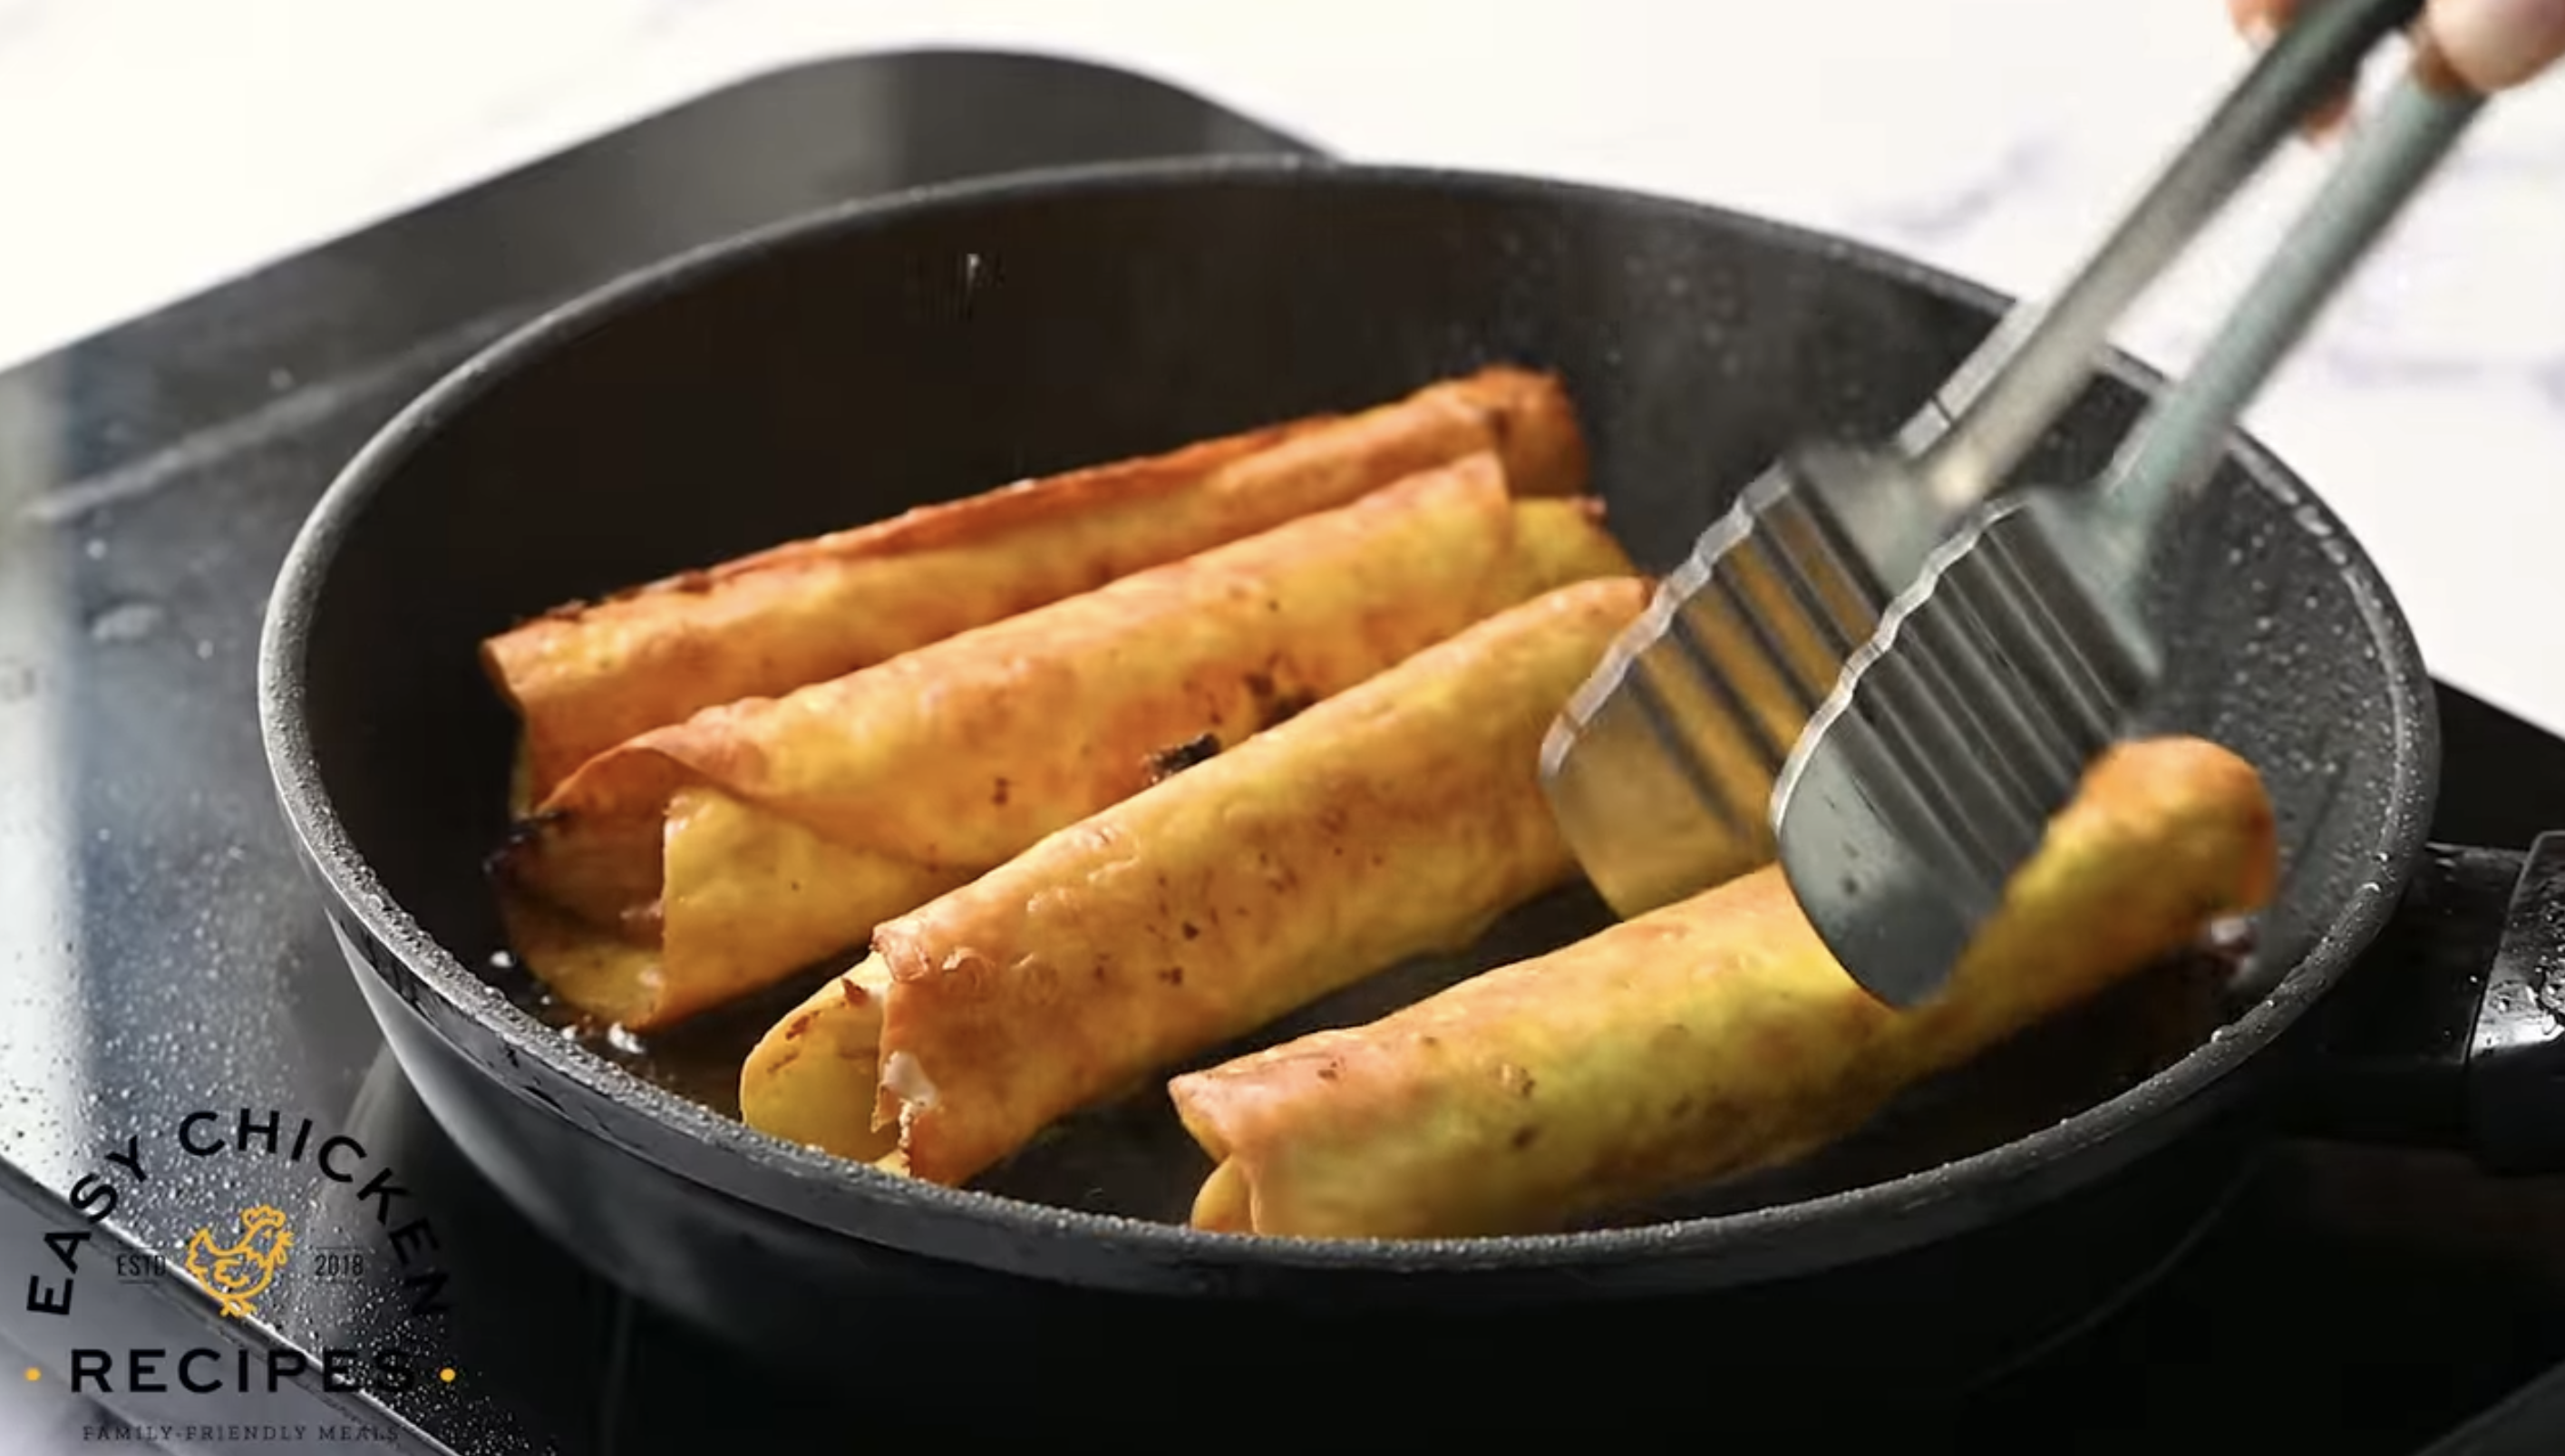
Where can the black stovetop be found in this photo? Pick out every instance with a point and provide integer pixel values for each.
(160, 952)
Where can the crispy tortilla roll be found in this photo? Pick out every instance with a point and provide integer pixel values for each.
(1712, 1037)
(702, 861)
(1398, 819)
(586, 678)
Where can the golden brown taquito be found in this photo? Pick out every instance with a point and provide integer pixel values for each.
(1395, 820)
(587, 677)
(1709, 1038)
(712, 858)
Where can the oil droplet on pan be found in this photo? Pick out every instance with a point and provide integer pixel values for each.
(129, 622)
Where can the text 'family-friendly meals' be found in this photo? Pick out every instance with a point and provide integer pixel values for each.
(1077, 783)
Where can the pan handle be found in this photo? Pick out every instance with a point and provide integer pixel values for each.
(2451, 1032)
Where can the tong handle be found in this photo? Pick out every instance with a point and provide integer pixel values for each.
(2175, 450)
(2009, 394)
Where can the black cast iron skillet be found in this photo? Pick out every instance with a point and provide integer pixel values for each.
(854, 363)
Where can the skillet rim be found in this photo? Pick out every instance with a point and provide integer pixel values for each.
(844, 1187)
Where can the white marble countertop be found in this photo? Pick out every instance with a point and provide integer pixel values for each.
(152, 147)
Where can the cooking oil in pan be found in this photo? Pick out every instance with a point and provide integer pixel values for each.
(1131, 1156)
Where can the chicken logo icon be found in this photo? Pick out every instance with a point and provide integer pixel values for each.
(239, 1272)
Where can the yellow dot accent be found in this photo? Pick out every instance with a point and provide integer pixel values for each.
(34, 1374)
(446, 1374)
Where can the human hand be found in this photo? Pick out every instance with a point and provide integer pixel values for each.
(2491, 44)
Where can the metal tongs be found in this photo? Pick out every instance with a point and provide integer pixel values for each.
(1906, 751)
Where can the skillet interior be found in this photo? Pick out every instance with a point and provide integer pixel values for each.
(842, 372)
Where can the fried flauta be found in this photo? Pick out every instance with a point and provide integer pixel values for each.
(710, 858)
(1709, 1038)
(1395, 820)
(586, 678)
